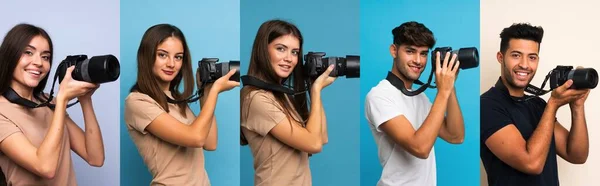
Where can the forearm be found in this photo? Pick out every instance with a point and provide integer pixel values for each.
(202, 123)
(314, 124)
(324, 135)
(426, 135)
(578, 141)
(49, 150)
(212, 139)
(454, 119)
(94, 145)
(538, 145)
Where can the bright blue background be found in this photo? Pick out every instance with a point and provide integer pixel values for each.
(331, 27)
(455, 24)
(212, 30)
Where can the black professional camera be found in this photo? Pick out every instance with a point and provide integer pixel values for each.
(210, 70)
(316, 64)
(585, 78)
(468, 57)
(98, 69)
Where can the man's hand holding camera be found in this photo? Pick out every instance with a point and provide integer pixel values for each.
(445, 74)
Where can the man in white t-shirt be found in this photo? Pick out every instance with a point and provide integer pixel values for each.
(406, 127)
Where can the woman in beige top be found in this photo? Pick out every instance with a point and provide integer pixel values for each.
(279, 128)
(36, 143)
(168, 136)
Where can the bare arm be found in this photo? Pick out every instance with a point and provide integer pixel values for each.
(324, 137)
(453, 127)
(89, 144)
(573, 146)
(211, 141)
(43, 160)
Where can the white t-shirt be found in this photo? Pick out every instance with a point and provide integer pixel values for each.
(383, 103)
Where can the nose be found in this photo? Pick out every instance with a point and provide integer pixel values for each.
(37, 61)
(288, 57)
(523, 64)
(170, 62)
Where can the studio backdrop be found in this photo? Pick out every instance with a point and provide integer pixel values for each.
(454, 24)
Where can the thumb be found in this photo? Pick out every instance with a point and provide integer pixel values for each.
(230, 73)
(70, 69)
(329, 69)
(566, 85)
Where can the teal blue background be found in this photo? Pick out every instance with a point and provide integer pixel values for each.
(331, 27)
(212, 30)
(453, 23)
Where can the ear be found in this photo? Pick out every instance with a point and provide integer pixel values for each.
(393, 50)
(499, 57)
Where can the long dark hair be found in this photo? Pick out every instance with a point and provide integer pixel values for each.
(147, 82)
(11, 50)
(260, 67)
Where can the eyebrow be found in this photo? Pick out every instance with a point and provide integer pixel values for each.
(162, 50)
(43, 52)
(412, 48)
(519, 52)
(285, 46)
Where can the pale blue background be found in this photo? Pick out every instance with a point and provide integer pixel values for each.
(455, 24)
(212, 30)
(77, 27)
(331, 27)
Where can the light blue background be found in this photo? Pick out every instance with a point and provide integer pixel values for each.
(212, 30)
(455, 24)
(77, 27)
(331, 27)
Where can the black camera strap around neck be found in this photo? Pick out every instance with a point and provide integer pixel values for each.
(253, 81)
(399, 84)
(15, 98)
(532, 89)
(193, 98)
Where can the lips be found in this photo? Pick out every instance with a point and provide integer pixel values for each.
(521, 75)
(34, 73)
(415, 68)
(168, 72)
(285, 67)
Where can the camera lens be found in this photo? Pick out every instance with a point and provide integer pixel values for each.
(585, 78)
(228, 66)
(468, 57)
(100, 69)
(352, 69)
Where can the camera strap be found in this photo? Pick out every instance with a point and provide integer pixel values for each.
(399, 84)
(253, 81)
(532, 89)
(193, 98)
(13, 97)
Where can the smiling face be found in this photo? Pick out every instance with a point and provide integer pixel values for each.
(169, 58)
(283, 55)
(519, 62)
(409, 61)
(33, 65)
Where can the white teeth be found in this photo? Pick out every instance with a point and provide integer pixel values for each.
(34, 72)
(521, 73)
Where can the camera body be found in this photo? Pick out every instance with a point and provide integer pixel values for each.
(468, 57)
(316, 64)
(98, 69)
(210, 70)
(585, 78)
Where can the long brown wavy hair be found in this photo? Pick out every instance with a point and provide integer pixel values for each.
(147, 82)
(260, 67)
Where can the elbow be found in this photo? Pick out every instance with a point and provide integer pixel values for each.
(96, 163)
(47, 172)
(458, 139)
(325, 141)
(579, 159)
(534, 168)
(317, 147)
(210, 147)
(421, 152)
(197, 142)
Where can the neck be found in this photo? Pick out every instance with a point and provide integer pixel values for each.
(23, 91)
(407, 83)
(513, 91)
(164, 86)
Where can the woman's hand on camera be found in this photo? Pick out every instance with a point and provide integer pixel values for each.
(324, 79)
(70, 88)
(224, 84)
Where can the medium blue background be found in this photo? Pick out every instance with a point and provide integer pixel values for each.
(455, 24)
(331, 27)
(212, 30)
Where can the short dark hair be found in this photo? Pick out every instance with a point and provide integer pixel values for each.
(520, 31)
(413, 33)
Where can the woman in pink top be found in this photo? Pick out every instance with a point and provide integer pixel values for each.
(278, 127)
(168, 136)
(36, 143)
